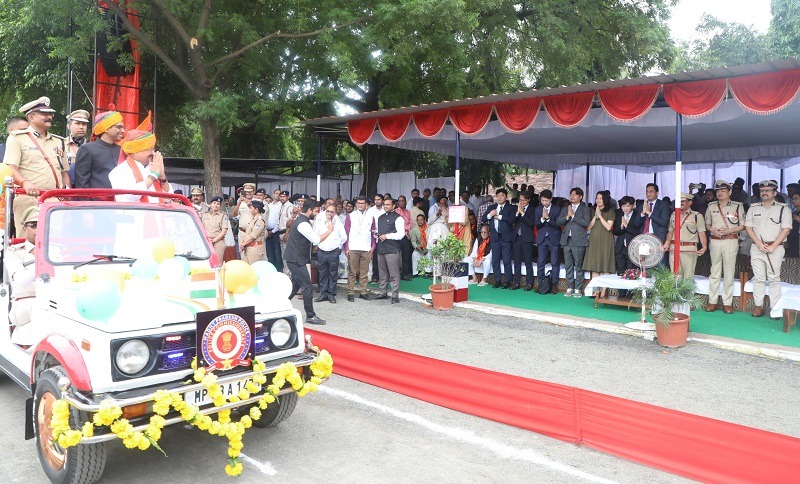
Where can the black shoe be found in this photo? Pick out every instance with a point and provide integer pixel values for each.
(554, 290)
(350, 298)
(406, 278)
(395, 300)
(528, 288)
(505, 285)
(379, 296)
(321, 298)
(496, 285)
(315, 320)
(374, 281)
(332, 299)
(514, 286)
(365, 297)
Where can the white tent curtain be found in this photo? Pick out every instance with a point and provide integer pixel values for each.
(637, 179)
(569, 176)
(398, 183)
(448, 182)
(603, 177)
(730, 171)
(791, 173)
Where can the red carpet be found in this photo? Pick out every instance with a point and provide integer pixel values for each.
(697, 447)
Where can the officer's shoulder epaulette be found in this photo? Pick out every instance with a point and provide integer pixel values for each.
(21, 131)
(58, 137)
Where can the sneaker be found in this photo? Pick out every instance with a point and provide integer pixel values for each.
(577, 293)
(471, 282)
(315, 320)
(568, 292)
(482, 283)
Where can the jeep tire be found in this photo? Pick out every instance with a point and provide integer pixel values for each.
(81, 464)
(277, 411)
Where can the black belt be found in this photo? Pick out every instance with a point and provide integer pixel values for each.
(329, 251)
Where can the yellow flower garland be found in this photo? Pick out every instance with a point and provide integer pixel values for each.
(109, 414)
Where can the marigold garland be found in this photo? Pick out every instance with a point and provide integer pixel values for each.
(109, 414)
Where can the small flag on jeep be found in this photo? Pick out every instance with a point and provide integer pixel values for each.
(204, 286)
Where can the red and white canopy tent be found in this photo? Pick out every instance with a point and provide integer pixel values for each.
(709, 116)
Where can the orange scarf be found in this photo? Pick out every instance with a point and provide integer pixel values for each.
(424, 236)
(482, 249)
(137, 176)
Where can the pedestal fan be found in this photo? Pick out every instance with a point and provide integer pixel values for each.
(646, 251)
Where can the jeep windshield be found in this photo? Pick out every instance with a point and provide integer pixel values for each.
(78, 234)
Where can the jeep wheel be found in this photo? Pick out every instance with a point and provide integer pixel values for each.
(83, 463)
(277, 411)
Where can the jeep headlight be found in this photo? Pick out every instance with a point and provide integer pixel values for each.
(132, 356)
(280, 332)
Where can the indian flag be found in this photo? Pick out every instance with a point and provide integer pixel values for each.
(203, 286)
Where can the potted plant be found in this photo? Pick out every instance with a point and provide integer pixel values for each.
(671, 299)
(445, 256)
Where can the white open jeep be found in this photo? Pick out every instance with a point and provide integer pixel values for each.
(148, 344)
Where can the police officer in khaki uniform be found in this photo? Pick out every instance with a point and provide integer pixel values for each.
(215, 221)
(768, 224)
(241, 211)
(251, 243)
(724, 221)
(78, 125)
(36, 157)
(22, 270)
(693, 231)
(196, 197)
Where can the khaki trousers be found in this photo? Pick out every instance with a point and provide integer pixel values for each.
(358, 263)
(723, 262)
(254, 253)
(688, 262)
(219, 249)
(762, 273)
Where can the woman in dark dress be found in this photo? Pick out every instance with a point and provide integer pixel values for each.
(600, 253)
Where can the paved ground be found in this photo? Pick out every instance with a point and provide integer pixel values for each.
(748, 390)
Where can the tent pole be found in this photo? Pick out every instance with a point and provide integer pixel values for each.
(458, 166)
(676, 252)
(319, 164)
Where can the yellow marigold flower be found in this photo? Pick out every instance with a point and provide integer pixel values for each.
(120, 428)
(130, 443)
(233, 452)
(224, 416)
(243, 394)
(268, 398)
(88, 429)
(219, 401)
(70, 438)
(246, 421)
(233, 399)
(312, 387)
(255, 413)
(233, 469)
(144, 443)
(252, 387)
(236, 444)
(189, 413)
(154, 433)
(107, 413)
(199, 374)
(194, 363)
(160, 408)
(215, 428)
(259, 365)
(158, 421)
(274, 389)
(203, 422)
(209, 380)
(260, 379)
(302, 392)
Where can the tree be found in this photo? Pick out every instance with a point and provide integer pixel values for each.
(723, 44)
(785, 28)
(423, 51)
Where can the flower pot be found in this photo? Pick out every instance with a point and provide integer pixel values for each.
(673, 335)
(442, 295)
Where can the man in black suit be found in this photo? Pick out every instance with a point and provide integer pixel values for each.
(548, 238)
(655, 214)
(95, 160)
(523, 243)
(627, 225)
(501, 216)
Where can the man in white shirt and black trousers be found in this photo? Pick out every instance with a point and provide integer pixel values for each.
(389, 229)
(298, 253)
(328, 252)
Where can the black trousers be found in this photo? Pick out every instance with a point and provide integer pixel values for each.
(501, 252)
(302, 280)
(273, 246)
(328, 268)
(523, 252)
(406, 249)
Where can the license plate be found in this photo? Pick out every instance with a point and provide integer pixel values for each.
(200, 397)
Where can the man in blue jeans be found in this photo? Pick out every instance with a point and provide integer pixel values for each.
(273, 240)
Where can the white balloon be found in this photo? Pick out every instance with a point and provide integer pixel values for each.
(275, 284)
(262, 267)
(171, 270)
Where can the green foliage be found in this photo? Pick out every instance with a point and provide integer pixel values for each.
(668, 291)
(785, 28)
(724, 44)
(445, 255)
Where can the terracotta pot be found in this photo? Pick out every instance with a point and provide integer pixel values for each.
(442, 296)
(674, 335)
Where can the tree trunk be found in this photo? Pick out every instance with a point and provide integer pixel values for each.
(212, 161)
(373, 163)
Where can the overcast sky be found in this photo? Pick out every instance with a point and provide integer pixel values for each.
(687, 13)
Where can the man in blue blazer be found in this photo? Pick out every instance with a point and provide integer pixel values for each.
(523, 244)
(548, 238)
(501, 216)
(655, 214)
(575, 217)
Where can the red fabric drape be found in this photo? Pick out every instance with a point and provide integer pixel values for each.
(430, 123)
(766, 93)
(394, 127)
(698, 447)
(471, 119)
(121, 92)
(628, 103)
(518, 116)
(568, 110)
(696, 98)
(360, 130)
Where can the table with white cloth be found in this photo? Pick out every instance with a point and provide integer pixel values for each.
(702, 284)
(788, 307)
(613, 281)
